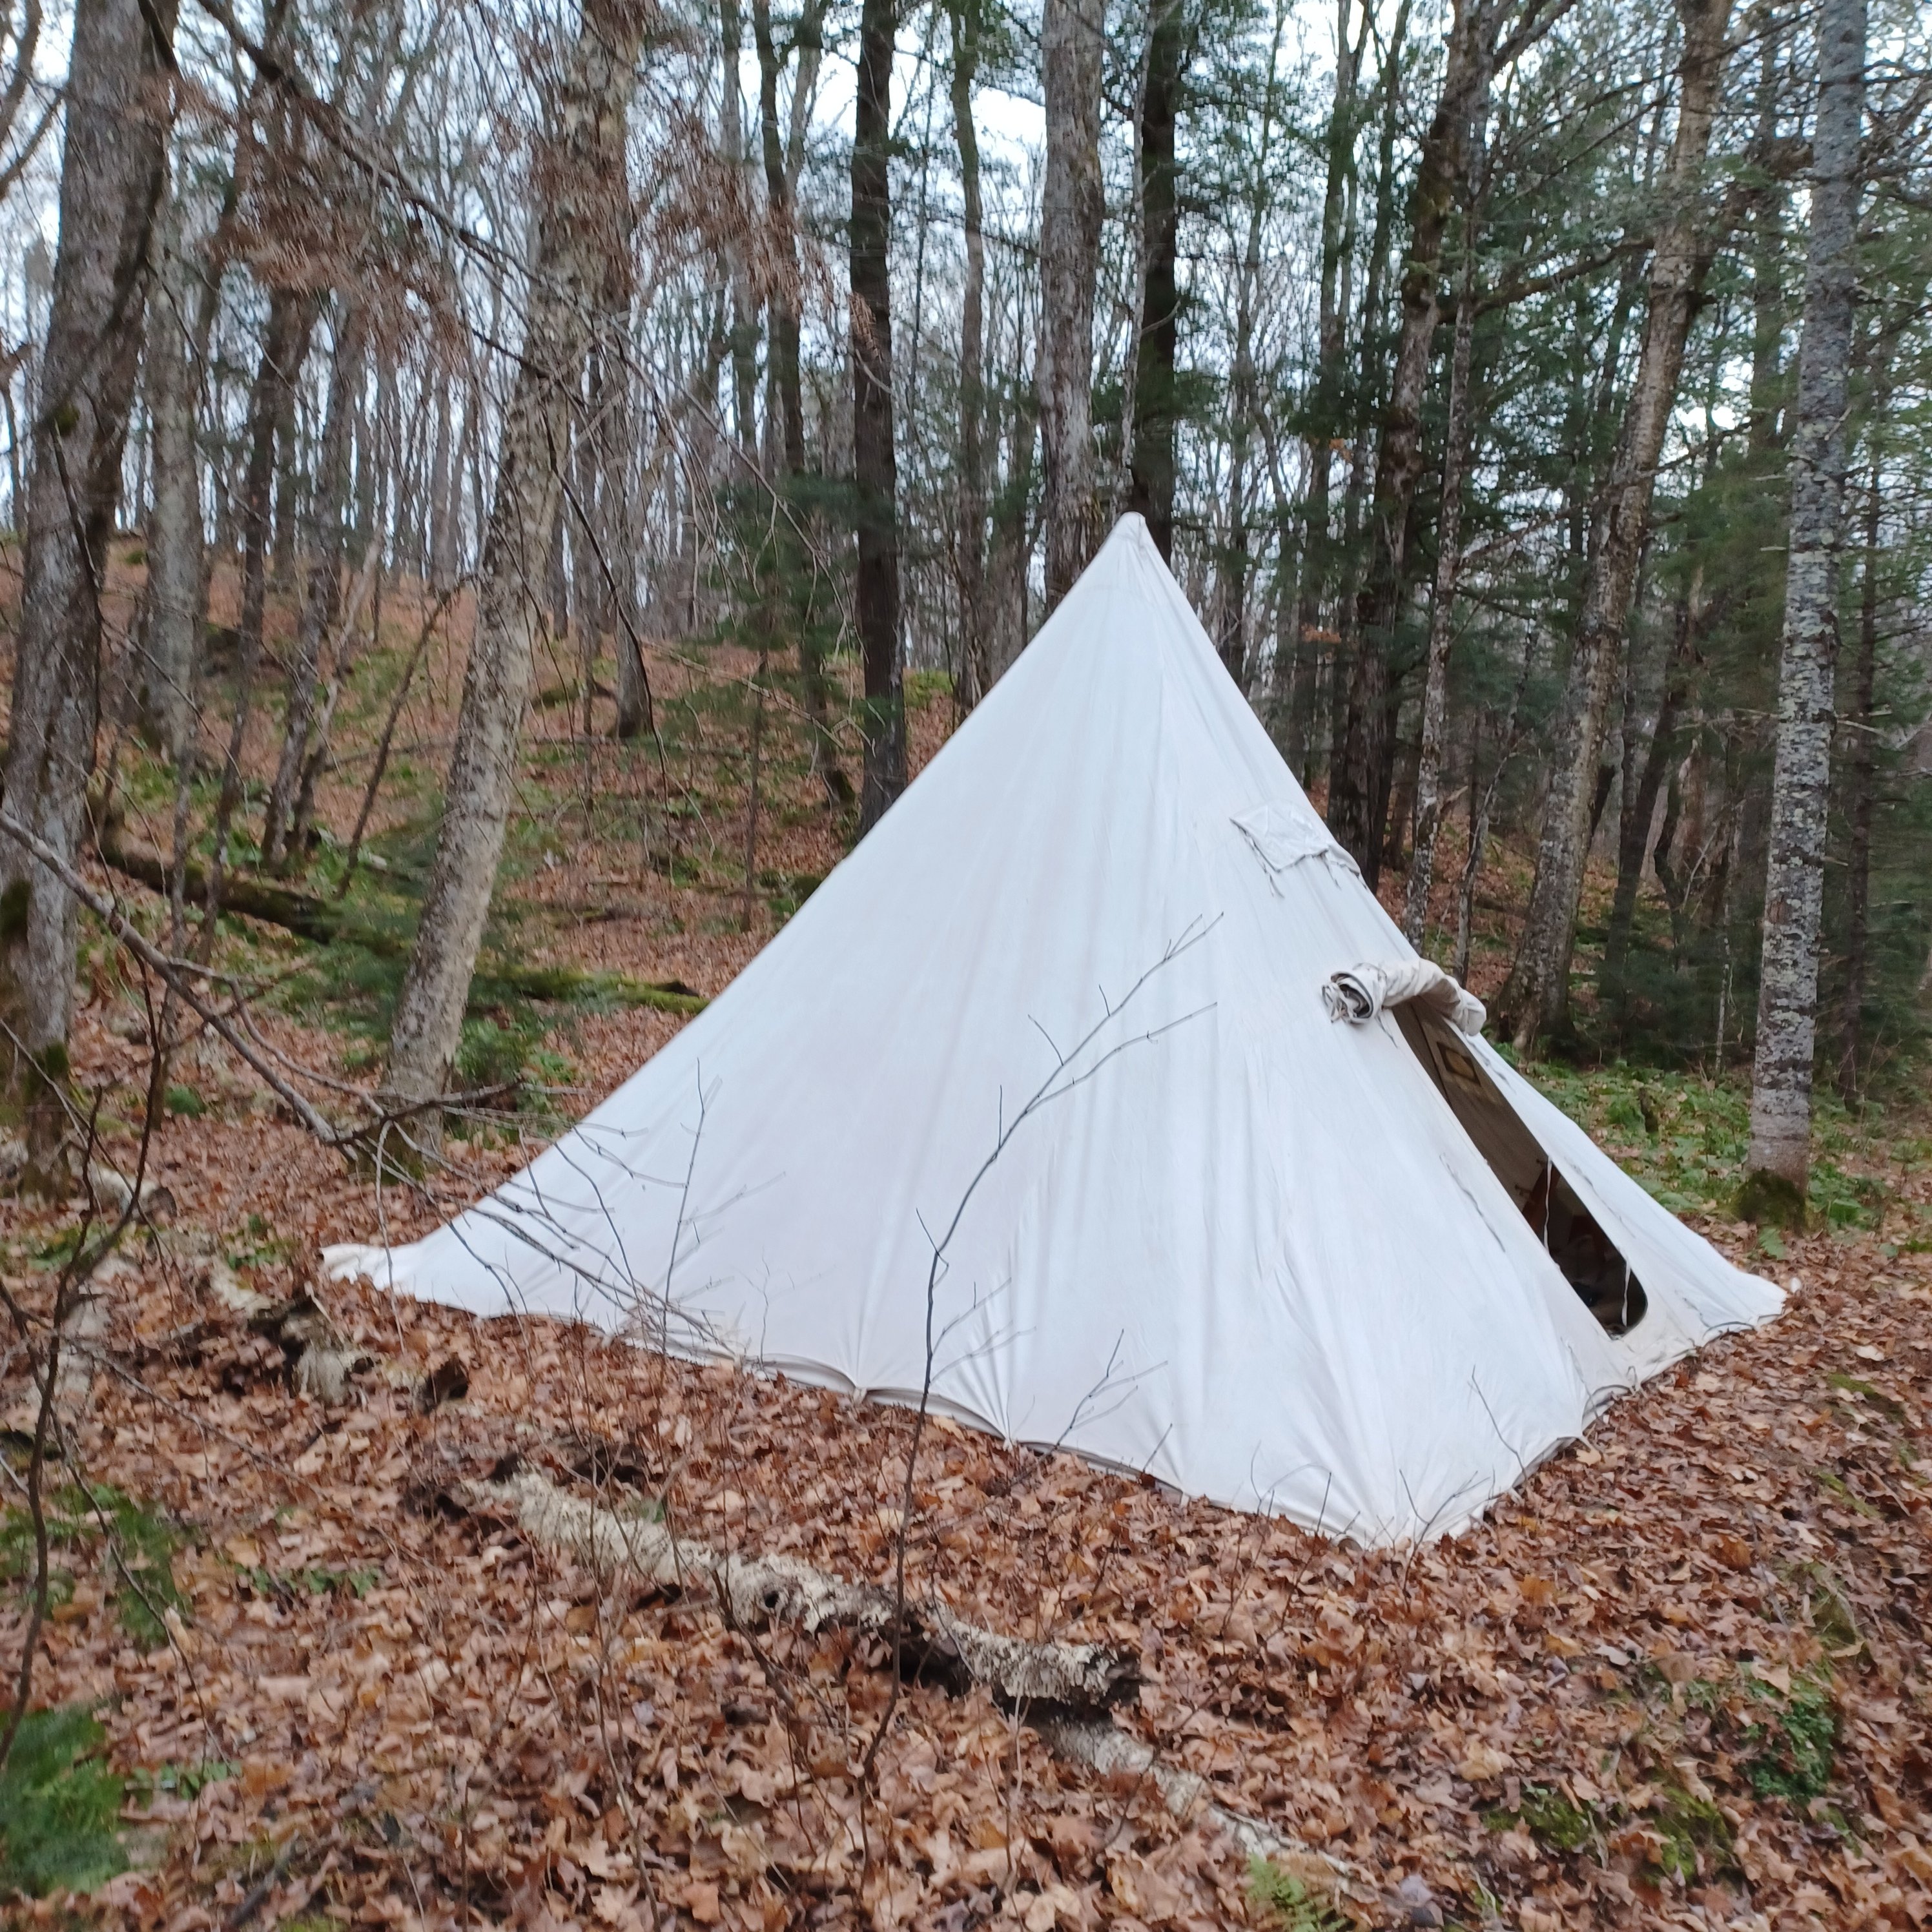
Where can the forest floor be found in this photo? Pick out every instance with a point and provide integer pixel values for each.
(305, 1667)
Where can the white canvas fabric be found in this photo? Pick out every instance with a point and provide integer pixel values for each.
(1058, 1022)
(1358, 993)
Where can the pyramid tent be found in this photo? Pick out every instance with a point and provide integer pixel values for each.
(1040, 1089)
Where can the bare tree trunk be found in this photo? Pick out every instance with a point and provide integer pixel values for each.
(171, 603)
(784, 156)
(1633, 827)
(284, 347)
(783, 359)
(975, 661)
(1011, 543)
(1535, 1001)
(1156, 401)
(440, 571)
(1072, 207)
(744, 338)
(1245, 395)
(1781, 1138)
(1324, 412)
(1481, 805)
(328, 501)
(1358, 799)
(1442, 612)
(285, 344)
(1368, 385)
(607, 498)
(1859, 806)
(113, 178)
(287, 462)
(874, 460)
(582, 213)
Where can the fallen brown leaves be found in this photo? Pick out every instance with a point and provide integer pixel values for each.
(1604, 1705)
(1564, 1716)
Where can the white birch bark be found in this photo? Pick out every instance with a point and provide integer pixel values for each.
(1794, 888)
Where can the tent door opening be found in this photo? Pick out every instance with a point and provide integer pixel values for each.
(1588, 1259)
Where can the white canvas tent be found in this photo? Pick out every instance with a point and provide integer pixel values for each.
(1060, 1021)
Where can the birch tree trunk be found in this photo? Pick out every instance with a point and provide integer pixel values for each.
(171, 602)
(581, 189)
(1535, 1001)
(1072, 207)
(113, 178)
(874, 460)
(1781, 1136)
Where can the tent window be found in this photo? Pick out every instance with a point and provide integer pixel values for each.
(1589, 1261)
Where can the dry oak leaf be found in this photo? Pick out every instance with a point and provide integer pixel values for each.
(1481, 1762)
(700, 1898)
(1056, 1905)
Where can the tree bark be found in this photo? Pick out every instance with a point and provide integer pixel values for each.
(1244, 387)
(1535, 1001)
(744, 339)
(1155, 403)
(783, 362)
(784, 156)
(581, 191)
(1324, 413)
(1860, 804)
(1481, 804)
(874, 460)
(1358, 797)
(112, 177)
(1368, 387)
(1442, 611)
(755, 1592)
(1633, 825)
(1780, 1126)
(1072, 207)
(443, 495)
(975, 661)
(171, 604)
(284, 348)
(328, 500)
(1011, 544)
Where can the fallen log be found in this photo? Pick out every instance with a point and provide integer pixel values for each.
(322, 921)
(1063, 1691)
(757, 1591)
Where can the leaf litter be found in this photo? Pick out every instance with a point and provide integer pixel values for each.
(1679, 1678)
